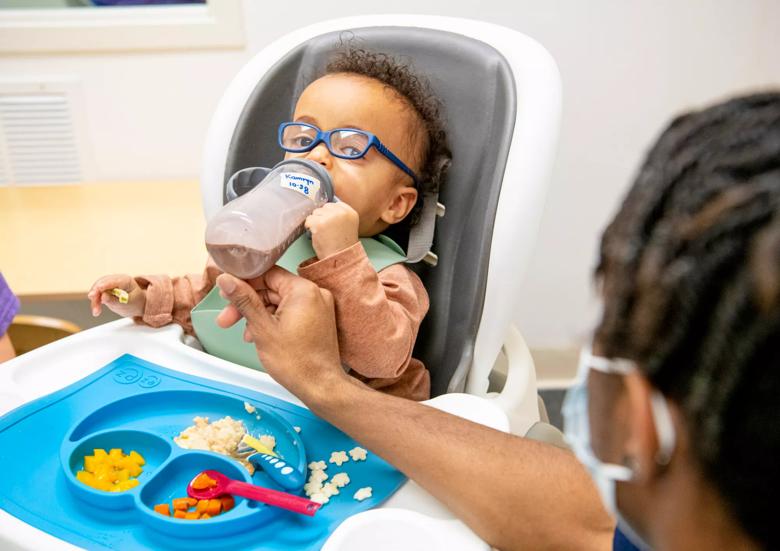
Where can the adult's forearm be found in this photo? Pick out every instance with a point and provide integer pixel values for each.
(513, 492)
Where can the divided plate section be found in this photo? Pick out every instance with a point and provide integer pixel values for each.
(154, 450)
(171, 482)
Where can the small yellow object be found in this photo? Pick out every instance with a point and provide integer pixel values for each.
(90, 463)
(111, 472)
(121, 294)
(137, 458)
(86, 478)
(255, 444)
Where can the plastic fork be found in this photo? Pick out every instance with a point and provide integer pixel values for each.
(277, 469)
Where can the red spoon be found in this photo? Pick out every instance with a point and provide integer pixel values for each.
(223, 485)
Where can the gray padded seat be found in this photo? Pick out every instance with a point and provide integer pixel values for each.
(475, 83)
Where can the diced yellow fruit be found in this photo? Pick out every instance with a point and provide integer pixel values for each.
(102, 471)
(115, 453)
(134, 470)
(137, 458)
(100, 453)
(127, 484)
(90, 462)
(123, 475)
(86, 478)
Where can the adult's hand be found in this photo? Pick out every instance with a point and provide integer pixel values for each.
(292, 323)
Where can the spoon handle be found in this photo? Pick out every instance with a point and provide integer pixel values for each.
(283, 500)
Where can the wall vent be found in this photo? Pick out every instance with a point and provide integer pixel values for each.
(40, 140)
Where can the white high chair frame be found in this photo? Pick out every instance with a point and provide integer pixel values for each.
(521, 201)
(425, 522)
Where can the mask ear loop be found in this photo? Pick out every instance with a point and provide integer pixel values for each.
(664, 428)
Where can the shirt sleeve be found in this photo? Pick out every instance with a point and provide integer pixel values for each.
(9, 306)
(172, 299)
(378, 314)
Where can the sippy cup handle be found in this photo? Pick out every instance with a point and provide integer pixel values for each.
(244, 181)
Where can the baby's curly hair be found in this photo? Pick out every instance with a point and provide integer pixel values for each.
(435, 155)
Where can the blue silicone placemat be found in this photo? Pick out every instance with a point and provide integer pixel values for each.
(149, 398)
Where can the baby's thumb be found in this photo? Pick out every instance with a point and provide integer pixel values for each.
(245, 299)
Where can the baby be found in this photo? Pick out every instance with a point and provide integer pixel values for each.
(378, 313)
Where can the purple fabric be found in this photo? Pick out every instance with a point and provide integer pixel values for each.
(9, 306)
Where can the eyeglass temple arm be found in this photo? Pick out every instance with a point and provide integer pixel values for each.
(389, 154)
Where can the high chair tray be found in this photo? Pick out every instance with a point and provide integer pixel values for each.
(134, 404)
(53, 367)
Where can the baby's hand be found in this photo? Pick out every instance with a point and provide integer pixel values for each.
(333, 227)
(101, 294)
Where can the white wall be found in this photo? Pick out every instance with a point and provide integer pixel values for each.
(626, 67)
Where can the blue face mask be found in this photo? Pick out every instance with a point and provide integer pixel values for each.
(577, 430)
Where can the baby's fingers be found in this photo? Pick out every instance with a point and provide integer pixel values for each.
(101, 292)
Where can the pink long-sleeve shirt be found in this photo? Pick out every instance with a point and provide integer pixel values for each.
(378, 315)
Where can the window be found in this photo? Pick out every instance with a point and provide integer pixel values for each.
(73, 26)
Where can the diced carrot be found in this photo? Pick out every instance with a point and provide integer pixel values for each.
(182, 503)
(214, 507)
(204, 516)
(227, 503)
(202, 506)
(179, 514)
(163, 509)
(203, 481)
(192, 501)
(192, 516)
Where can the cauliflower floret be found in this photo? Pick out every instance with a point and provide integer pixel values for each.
(319, 498)
(338, 458)
(318, 466)
(340, 479)
(363, 493)
(318, 476)
(358, 454)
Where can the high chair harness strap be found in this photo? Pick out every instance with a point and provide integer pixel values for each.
(421, 234)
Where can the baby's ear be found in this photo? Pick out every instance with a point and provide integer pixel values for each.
(402, 203)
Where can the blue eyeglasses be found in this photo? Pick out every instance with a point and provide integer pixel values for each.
(344, 143)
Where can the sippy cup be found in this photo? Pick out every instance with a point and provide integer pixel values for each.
(249, 234)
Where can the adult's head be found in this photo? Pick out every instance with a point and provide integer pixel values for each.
(689, 272)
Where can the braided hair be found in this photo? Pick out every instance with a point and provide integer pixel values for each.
(690, 274)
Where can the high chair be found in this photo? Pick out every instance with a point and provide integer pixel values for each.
(502, 97)
(31, 332)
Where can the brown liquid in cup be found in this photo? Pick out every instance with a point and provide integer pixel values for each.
(246, 262)
(242, 261)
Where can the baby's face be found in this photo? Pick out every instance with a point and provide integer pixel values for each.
(372, 183)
